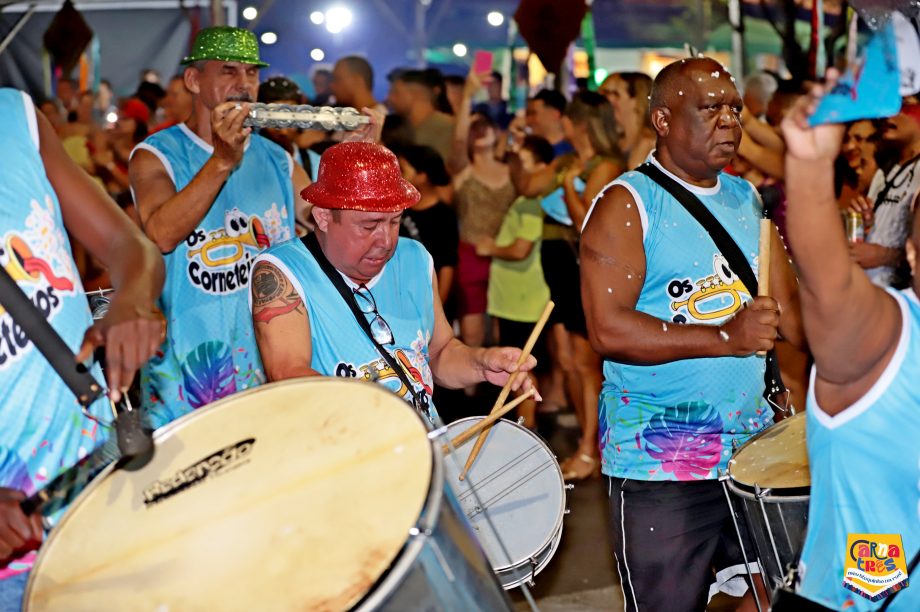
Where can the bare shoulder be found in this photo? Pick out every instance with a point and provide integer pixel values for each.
(614, 213)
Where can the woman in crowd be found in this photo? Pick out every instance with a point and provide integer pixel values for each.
(567, 189)
(628, 94)
(483, 193)
(858, 157)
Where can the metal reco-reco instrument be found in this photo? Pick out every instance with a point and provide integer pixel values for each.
(305, 117)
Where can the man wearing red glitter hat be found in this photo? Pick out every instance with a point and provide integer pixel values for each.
(355, 300)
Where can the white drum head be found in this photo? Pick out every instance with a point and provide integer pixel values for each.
(518, 480)
(299, 496)
(776, 458)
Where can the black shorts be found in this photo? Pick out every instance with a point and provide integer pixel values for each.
(675, 544)
(515, 334)
(559, 259)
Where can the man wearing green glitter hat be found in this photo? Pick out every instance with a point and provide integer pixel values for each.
(212, 195)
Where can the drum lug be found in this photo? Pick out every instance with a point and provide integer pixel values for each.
(437, 433)
(569, 487)
(533, 572)
(416, 532)
(520, 421)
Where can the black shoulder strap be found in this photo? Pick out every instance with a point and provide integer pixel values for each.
(724, 242)
(889, 182)
(47, 341)
(729, 249)
(338, 282)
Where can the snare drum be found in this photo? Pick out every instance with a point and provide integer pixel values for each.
(522, 492)
(769, 477)
(313, 494)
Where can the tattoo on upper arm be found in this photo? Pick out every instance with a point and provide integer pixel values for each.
(273, 295)
(267, 284)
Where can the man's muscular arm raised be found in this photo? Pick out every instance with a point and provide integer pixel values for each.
(612, 277)
(168, 216)
(281, 324)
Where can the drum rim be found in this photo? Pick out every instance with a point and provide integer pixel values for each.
(548, 553)
(766, 495)
(416, 539)
(169, 427)
(557, 527)
(754, 438)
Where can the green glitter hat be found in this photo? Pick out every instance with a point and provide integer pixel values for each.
(225, 44)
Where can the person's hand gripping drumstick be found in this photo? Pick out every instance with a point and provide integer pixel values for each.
(506, 389)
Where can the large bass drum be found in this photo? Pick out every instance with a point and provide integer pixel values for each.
(315, 494)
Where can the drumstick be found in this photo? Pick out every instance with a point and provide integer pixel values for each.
(487, 421)
(525, 353)
(763, 265)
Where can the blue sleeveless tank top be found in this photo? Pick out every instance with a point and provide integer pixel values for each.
(865, 474)
(677, 421)
(404, 296)
(42, 431)
(210, 351)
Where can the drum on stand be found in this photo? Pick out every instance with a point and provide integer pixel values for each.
(520, 486)
(314, 494)
(769, 478)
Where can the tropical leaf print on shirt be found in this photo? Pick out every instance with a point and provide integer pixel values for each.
(14, 473)
(686, 439)
(208, 373)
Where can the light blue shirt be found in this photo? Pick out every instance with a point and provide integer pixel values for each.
(42, 431)
(210, 351)
(865, 473)
(677, 420)
(404, 295)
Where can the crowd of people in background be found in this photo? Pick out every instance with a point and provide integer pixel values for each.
(504, 194)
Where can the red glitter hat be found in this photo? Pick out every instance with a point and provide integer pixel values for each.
(360, 176)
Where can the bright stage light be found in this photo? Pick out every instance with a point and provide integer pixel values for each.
(269, 38)
(460, 50)
(250, 13)
(112, 117)
(337, 19)
(317, 17)
(495, 18)
(317, 55)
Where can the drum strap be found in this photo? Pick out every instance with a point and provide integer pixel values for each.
(47, 341)
(419, 400)
(773, 380)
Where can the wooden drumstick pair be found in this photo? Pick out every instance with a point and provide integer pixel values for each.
(506, 390)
